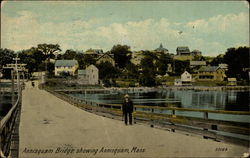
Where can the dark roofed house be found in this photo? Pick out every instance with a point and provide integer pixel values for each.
(161, 49)
(209, 68)
(214, 73)
(66, 66)
(184, 50)
(94, 52)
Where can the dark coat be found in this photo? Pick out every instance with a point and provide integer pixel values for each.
(127, 107)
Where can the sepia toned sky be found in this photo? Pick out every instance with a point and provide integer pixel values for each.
(209, 26)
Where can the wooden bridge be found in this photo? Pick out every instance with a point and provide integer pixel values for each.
(53, 124)
(172, 118)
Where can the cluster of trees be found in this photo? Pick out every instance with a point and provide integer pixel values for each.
(6, 56)
(39, 59)
(237, 60)
(36, 58)
(152, 64)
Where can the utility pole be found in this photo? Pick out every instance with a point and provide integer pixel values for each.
(18, 77)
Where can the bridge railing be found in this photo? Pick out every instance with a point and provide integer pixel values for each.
(7, 125)
(194, 121)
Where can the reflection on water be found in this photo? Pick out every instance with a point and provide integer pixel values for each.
(213, 100)
(5, 104)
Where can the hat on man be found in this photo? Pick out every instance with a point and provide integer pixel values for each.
(126, 96)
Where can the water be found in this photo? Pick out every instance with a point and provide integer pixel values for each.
(211, 100)
(5, 100)
(5, 104)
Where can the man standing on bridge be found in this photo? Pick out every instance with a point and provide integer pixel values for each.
(127, 109)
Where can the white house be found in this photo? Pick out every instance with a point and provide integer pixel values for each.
(89, 76)
(186, 78)
(66, 66)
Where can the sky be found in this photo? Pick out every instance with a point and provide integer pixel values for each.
(209, 26)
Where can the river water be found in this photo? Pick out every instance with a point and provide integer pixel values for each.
(5, 100)
(212, 100)
(5, 103)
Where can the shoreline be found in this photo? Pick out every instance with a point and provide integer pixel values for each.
(153, 89)
(207, 88)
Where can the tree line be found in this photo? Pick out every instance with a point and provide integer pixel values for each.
(40, 58)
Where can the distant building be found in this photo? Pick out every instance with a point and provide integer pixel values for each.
(232, 82)
(183, 53)
(186, 78)
(66, 66)
(161, 49)
(106, 58)
(197, 64)
(223, 66)
(89, 76)
(94, 52)
(211, 73)
(8, 68)
(196, 53)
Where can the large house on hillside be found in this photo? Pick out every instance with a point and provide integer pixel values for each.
(183, 53)
(66, 67)
(211, 73)
(89, 76)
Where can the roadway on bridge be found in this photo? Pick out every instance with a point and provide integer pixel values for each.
(51, 127)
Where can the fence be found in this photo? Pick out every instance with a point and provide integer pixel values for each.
(9, 137)
(173, 119)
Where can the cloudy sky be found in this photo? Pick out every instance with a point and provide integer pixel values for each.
(210, 26)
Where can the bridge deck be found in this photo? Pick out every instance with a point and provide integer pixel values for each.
(48, 123)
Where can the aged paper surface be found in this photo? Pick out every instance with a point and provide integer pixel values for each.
(184, 65)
